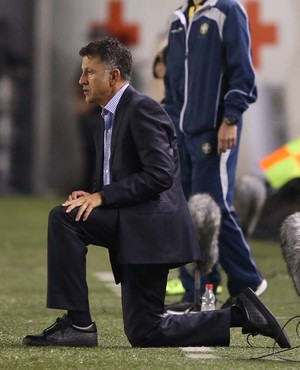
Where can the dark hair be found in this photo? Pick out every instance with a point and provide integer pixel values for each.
(112, 53)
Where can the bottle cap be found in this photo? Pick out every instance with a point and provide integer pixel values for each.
(209, 286)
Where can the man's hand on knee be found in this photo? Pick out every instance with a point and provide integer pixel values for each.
(85, 201)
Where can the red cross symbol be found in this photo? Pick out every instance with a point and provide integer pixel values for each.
(115, 25)
(261, 33)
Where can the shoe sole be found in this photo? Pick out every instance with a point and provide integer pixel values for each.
(178, 307)
(48, 344)
(281, 337)
(33, 342)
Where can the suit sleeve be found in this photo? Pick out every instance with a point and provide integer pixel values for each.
(151, 131)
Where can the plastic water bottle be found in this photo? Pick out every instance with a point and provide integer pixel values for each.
(208, 299)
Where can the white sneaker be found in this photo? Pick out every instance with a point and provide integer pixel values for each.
(261, 288)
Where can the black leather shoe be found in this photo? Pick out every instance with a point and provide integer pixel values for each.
(259, 290)
(229, 303)
(260, 320)
(63, 333)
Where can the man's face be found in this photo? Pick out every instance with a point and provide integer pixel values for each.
(95, 81)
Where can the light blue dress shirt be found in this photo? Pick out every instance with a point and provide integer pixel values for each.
(108, 114)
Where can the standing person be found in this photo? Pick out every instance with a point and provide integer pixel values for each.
(210, 82)
(138, 211)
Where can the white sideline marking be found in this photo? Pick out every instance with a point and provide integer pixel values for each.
(108, 279)
(202, 356)
(203, 353)
(196, 349)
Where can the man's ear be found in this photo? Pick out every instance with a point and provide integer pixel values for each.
(115, 76)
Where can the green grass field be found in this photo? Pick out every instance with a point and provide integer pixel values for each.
(23, 224)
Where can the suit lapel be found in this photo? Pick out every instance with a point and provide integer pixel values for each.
(120, 112)
(99, 152)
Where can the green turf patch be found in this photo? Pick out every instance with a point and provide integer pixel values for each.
(23, 226)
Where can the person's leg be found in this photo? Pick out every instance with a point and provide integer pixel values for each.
(67, 249)
(236, 257)
(235, 253)
(188, 283)
(67, 286)
(146, 325)
(213, 277)
(215, 175)
(186, 172)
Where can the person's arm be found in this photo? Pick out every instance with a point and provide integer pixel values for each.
(239, 75)
(239, 71)
(152, 132)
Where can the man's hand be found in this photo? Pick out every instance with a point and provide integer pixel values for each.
(227, 137)
(85, 201)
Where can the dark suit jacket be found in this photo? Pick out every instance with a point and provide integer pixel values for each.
(154, 221)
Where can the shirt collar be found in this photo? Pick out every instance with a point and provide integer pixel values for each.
(111, 106)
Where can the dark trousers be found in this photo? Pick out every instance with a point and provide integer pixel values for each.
(143, 286)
